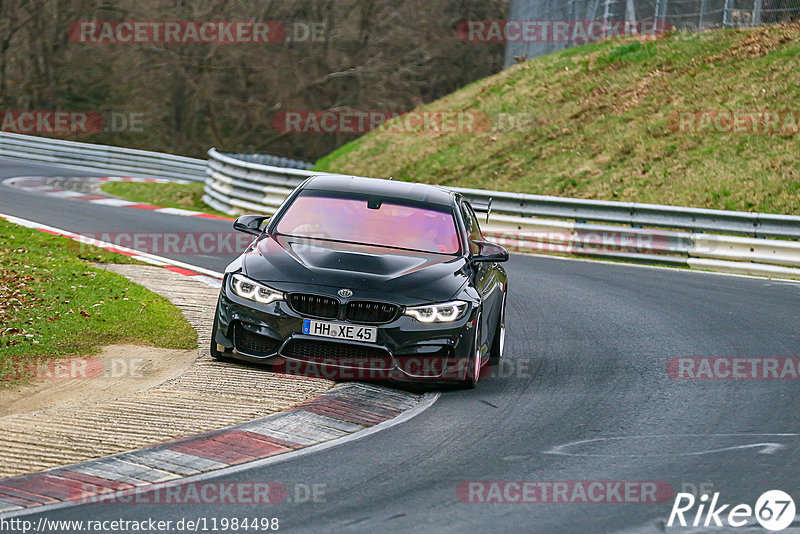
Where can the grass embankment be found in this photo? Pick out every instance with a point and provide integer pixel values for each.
(598, 122)
(184, 196)
(54, 303)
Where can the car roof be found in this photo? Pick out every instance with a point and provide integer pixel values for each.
(385, 188)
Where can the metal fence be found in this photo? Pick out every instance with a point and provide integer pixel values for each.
(729, 241)
(100, 158)
(664, 14)
(118, 160)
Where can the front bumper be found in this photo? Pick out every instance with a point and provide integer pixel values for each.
(405, 349)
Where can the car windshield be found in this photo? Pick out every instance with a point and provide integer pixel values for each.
(390, 224)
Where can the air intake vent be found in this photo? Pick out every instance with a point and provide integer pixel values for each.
(254, 344)
(360, 311)
(337, 354)
(314, 305)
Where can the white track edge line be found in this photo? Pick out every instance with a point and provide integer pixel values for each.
(103, 244)
(687, 269)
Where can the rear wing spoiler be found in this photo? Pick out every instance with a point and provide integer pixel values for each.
(483, 208)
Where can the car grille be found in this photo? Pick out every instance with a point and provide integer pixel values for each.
(254, 344)
(360, 311)
(314, 305)
(337, 353)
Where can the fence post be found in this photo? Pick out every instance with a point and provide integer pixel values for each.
(631, 22)
(630, 10)
(703, 5)
(660, 16)
(606, 15)
(726, 14)
(655, 13)
(757, 13)
(552, 45)
(573, 22)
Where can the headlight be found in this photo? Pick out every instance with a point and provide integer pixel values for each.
(446, 312)
(252, 290)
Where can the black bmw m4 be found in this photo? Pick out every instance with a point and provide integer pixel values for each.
(366, 279)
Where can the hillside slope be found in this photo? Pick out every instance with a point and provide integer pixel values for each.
(620, 121)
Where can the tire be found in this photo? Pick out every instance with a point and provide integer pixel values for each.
(217, 355)
(473, 371)
(499, 341)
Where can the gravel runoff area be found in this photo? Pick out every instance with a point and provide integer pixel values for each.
(206, 395)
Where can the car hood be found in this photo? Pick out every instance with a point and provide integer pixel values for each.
(369, 271)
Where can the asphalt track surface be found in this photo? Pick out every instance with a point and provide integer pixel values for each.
(585, 359)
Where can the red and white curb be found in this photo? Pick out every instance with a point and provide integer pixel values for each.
(212, 278)
(346, 412)
(41, 185)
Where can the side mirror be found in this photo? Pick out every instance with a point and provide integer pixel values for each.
(483, 251)
(250, 224)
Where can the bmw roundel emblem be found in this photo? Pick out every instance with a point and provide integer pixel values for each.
(345, 293)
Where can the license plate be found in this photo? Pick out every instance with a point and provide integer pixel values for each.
(367, 334)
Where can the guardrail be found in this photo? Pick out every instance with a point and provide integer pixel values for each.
(100, 158)
(275, 161)
(727, 241)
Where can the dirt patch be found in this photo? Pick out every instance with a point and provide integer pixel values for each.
(633, 98)
(117, 371)
(758, 43)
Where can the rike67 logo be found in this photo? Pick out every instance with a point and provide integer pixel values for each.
(774, 511)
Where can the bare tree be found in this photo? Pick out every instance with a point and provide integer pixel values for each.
(366, 54)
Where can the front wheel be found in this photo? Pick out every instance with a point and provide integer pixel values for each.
(499, 341)
(216, 354)
(473, 371)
